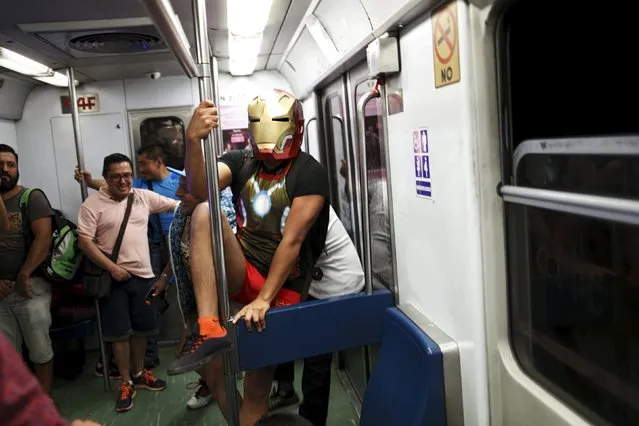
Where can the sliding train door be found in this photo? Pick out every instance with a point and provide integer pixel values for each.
(338, 157)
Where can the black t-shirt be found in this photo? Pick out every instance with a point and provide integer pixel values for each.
(262, 200)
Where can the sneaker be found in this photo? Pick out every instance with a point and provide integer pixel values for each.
(147, 380)
(198, 400)
(125, 400)
(197, 352)
(114, 373)
(279, 399)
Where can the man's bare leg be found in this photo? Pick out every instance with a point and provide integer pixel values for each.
(44, 373)
(214, 375)
(122, 355)
(202, 264)
(211, 338)
(257, 387)
(138, 349)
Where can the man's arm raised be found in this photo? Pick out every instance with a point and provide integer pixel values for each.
(205, 118)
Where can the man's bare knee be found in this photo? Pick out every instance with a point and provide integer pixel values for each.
(200, 215)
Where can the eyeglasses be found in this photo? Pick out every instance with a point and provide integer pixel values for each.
(118, 176)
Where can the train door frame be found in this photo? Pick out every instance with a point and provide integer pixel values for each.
(352, 364)
(337, 89)
(356, 76)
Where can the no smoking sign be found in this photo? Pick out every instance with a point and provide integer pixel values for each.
(446, 45)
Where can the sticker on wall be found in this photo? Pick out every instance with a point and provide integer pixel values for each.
(421, 160)
(446, 45)
(86, 103)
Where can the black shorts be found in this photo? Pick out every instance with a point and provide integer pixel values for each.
(124, 312)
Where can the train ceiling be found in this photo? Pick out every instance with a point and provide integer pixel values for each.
(110, 40)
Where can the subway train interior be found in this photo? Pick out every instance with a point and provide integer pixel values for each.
(480, 155)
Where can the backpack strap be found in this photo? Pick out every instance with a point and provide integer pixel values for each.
(26, 228)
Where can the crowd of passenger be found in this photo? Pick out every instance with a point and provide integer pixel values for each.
(283, 244)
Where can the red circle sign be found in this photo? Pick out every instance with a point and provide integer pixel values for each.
(445, 35)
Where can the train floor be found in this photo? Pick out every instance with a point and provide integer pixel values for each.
(86, 398)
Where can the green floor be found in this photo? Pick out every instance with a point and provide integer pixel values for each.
(85, 398)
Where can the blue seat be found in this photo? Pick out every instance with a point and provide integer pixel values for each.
(314, 328)
(407, 384)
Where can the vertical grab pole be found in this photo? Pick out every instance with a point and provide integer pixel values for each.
(216, 98)
(366, 220)
(211, 144)
(79, 152)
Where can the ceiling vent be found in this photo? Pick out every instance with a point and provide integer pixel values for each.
(116, 43)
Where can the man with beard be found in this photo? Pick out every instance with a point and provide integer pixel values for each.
(25, 297)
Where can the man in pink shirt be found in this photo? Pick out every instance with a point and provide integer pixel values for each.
(127, 321)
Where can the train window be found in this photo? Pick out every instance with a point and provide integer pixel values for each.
(605, 175)
(168, 132)
(379, 208)
(575, 308)
(337, 131)
(573, 280)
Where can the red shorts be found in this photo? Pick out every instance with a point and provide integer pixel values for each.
(254, 282)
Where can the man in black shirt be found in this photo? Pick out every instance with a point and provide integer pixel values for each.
(280, 197)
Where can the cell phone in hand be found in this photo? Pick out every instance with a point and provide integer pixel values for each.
(158, 302)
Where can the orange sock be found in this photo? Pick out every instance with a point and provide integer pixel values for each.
(210, 327)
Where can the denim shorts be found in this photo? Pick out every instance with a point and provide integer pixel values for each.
(124, 312)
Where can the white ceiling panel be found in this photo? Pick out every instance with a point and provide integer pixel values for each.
(345, 21)
(40, 29)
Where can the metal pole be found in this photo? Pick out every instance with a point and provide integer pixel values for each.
(79, 152)
(215, 208)
(219, 146)
(165, 21)
(366, 220)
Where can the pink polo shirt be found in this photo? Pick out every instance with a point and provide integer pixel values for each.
(100, 217)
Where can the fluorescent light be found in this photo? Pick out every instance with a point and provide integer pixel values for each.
(242, 67)
(247, 17)
(57, 79)
(243, 53)
(21, 64)
(241, 48)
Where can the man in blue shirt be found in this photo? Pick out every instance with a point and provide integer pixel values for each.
(154, 176)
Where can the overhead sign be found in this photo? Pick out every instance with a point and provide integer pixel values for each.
(421, 159)
(446, 45)
(86, 103)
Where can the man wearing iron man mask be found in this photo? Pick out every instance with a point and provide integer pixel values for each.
(280, 195)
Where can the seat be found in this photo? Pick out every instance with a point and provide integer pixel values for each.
(314, 328)
(407, 384)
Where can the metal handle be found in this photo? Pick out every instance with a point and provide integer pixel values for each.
(165, 20)
(366, 221)
(606, 208)
(306, 146)
(79, 153)
(215, 209)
